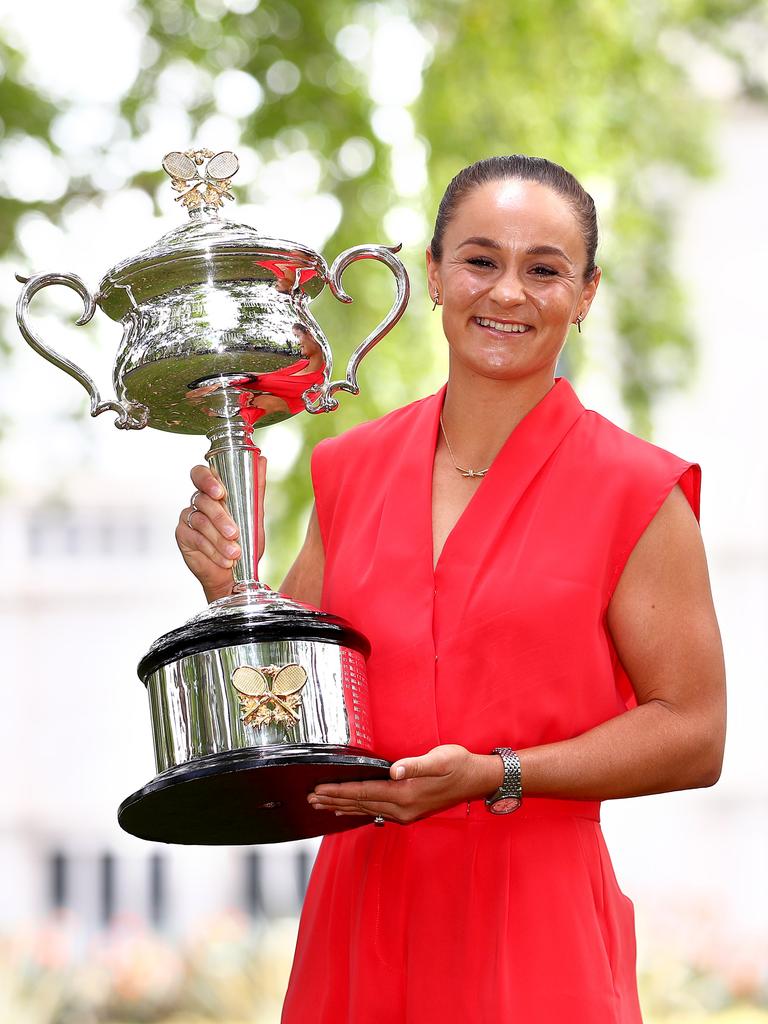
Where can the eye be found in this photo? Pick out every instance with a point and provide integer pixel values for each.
(480, 261)
(542, 271)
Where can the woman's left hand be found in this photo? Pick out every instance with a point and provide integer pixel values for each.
(418, 786)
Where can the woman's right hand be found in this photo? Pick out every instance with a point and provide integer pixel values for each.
(207, 535)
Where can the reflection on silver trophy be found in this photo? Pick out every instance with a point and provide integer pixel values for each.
(257, 699)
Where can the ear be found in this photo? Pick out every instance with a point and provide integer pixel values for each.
(588, 293)
(433, 274)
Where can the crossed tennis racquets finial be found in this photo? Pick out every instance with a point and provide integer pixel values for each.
(207, 188)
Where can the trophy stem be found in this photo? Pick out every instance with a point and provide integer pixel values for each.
(234, 459)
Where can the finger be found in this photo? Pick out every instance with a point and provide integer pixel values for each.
(217, 516)
(193, 540)
(372, 808)
(200, 526)
(355, 791)
(206, 482)
(431, 764)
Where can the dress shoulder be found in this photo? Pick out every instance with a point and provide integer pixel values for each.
(634, 477)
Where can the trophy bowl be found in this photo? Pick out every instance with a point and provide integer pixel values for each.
(258, 698)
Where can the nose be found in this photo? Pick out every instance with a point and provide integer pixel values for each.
(508, 289)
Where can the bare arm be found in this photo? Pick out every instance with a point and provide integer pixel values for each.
(664, 628)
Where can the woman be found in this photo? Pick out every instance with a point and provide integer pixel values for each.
(557, 609)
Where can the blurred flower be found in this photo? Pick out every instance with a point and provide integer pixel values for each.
(228, 970)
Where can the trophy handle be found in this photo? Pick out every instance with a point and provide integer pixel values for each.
(130, 415)
(321, 399)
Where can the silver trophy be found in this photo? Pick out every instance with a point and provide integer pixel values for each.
(257, 699)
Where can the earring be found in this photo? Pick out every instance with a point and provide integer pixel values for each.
(579, 318)
(436, 296)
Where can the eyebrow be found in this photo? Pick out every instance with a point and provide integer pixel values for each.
(534, 250)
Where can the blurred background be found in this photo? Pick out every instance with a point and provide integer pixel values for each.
(349, 119)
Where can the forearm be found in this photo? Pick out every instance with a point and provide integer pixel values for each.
(650, 749)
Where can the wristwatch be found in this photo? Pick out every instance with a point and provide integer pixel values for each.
(509, 796)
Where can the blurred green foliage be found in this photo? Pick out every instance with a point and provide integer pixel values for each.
(593, 86)
(598, 85)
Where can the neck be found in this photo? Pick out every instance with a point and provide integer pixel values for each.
(479, 413)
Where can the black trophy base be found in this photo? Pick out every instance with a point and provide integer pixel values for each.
(247, 796)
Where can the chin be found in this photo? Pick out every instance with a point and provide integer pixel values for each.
(510, 371)
(501, 373)
(503, 363)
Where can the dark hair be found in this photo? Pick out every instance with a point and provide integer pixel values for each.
(524, 168)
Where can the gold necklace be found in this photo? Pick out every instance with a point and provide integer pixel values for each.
(464, 472)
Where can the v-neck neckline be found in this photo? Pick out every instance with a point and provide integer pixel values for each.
(561, 394)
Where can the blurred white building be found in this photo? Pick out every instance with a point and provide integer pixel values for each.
(91, 576)
(694, 862)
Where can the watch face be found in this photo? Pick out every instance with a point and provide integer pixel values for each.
(505, 805)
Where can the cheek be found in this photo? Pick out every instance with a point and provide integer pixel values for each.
(555, 303)
(463, 289)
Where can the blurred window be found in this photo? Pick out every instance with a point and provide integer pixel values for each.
(254, 895)
(303, 868)
(94, 533)
(107, 874)
(157, 890)
(58, 877)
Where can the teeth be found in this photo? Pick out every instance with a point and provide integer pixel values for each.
(498, 326)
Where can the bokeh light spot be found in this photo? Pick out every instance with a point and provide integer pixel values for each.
(237, 93)
(283, 77)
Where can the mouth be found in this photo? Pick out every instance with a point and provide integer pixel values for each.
(505, 326)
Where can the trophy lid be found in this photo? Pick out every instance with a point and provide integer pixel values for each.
(208, 248)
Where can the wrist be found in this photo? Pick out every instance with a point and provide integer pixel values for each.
(508, 797)
(213, 593)
(490, 774)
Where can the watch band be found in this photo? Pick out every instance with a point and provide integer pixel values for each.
(511, 788)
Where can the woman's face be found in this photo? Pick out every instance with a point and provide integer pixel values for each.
(511, 279)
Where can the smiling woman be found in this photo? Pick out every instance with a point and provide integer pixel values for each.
(511, 255)
(533, 583)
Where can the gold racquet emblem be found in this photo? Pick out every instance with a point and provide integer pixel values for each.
(208, 188)
(269, 695)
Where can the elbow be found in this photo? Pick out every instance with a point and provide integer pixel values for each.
(710, 764)
(710, 777)
(701, 750)
(699, 760)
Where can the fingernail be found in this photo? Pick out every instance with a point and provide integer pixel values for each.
(399, 772)
(338, 813)
(232, 550)
(229, 531)
(218, 491)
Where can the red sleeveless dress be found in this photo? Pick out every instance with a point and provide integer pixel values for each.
(466, 916)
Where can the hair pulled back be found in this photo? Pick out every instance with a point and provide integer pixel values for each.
(524, 168)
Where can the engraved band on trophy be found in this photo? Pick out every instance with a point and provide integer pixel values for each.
(257, 699)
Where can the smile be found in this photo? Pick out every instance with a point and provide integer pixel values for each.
(500, 325)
